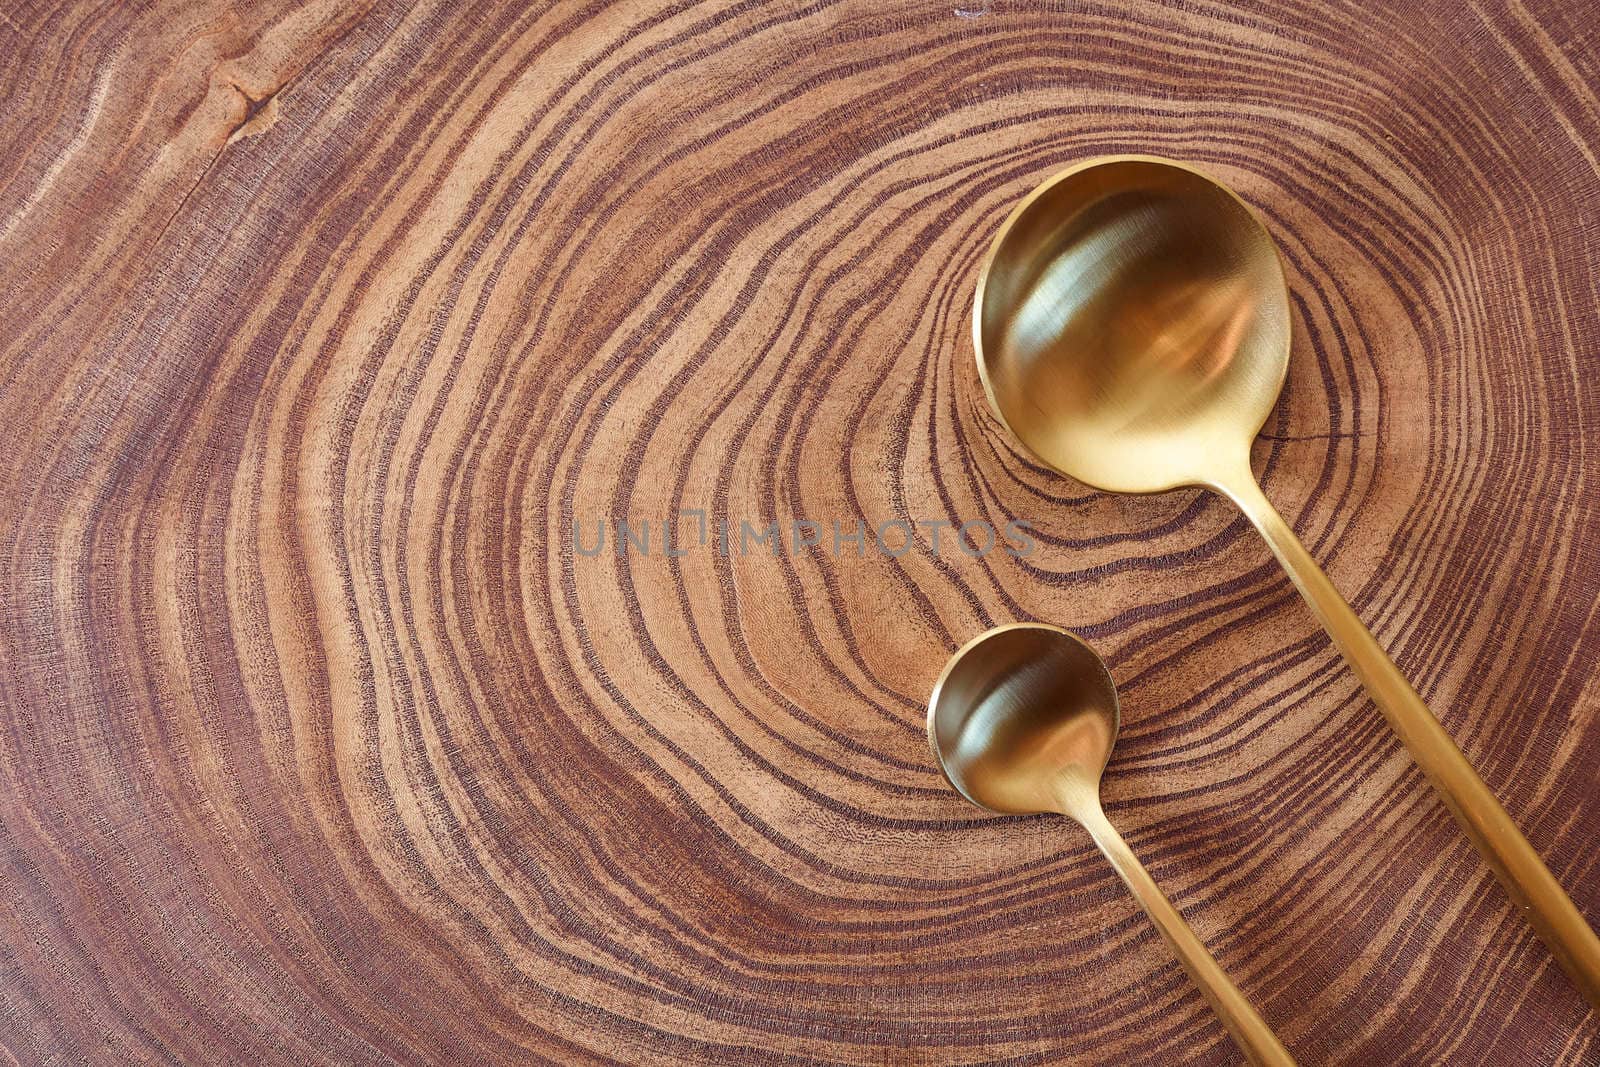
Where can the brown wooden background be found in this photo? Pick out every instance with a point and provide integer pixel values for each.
(322, 325)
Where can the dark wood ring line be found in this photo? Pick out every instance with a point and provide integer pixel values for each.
(322, 741)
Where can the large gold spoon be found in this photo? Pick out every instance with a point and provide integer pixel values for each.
(1132, 329)
(1022, 721)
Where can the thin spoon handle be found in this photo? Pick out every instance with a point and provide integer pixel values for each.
(1524, 875)
(1249, 1030)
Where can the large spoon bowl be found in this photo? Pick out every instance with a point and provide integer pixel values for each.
(1133, 325)
(1132, 330)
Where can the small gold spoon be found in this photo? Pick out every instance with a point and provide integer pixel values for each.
(1022, 721)
(1132, 330)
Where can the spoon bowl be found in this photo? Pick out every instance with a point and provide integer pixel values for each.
(1020, 713)
(1132, 324)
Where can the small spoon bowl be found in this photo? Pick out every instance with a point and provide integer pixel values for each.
(1020, 712)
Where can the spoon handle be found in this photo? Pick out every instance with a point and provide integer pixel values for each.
(1524, 875)
(1250, 1032)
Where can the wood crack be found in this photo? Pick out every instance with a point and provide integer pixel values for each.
(260, 113)
(1335, 435)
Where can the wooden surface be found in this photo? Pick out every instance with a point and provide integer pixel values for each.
(324, 324)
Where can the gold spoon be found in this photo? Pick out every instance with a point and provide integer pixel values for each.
(1132, 330)
(1022, 721)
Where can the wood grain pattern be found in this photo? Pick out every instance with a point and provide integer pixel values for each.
(324, 324)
